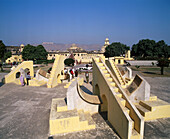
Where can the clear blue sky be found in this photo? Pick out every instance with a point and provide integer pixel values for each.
(83, 21)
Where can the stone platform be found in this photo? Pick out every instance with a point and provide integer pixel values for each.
(25, 111)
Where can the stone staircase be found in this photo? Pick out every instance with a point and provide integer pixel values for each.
(118, 74)
(118, 93)
(154, 108)
(128, 81)
(63, 120)
(68, 84)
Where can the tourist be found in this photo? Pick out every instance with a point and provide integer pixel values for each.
(72, 73)
(28, 77)
(68, 77)
(76, 73)
(22, 80)
(87, 76)
(69, 74)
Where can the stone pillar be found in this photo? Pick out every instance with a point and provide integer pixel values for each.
(128, 54)
(121, 61)
(116, 61)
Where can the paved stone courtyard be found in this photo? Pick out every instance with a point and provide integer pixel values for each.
(24, 113)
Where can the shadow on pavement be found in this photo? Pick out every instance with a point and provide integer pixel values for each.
(149, 72)
(2, 82)
(86, 90)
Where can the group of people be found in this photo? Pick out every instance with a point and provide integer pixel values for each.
(71, 73)
(23, 76)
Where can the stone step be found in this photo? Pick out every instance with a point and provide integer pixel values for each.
(81, 115)
(113, 84)
(64, 114)
(104, 71)
(61, 105)
(144, 112)
(100, 64)
(123, 101)
(110, 79)
(91, 123)
(97, 59)
(152, 98)
(158, 109)
(126, 110)
(116, 89)
(107, 75)
(82, 119)
(151, 105)
(102, 67)
(119, 94)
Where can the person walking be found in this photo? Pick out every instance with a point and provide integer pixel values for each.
(76, 73)
(87, 76)
(22, 80)
(22, 76)
(28, 77)
(72, 73)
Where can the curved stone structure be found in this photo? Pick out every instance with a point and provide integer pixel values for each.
(92, 99)
(76, 99)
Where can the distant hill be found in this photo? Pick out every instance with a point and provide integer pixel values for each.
(59, 46)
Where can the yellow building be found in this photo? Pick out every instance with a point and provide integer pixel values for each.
(14, 58)
(80, 55)
(16, 53)
(83, 57)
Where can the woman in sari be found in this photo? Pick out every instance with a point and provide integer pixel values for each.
(22, 80)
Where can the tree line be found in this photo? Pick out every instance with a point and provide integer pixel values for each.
(29, 52)
(150, 49)
(144, 49)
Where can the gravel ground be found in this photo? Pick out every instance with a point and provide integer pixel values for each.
(24, 113)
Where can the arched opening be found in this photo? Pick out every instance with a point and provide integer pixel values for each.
(18, 74)
(96, 90)
(119, 61)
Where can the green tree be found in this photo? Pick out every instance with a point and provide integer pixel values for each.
(34, 53)
(2, 50)
(116, 49)
(28, 52)
(69, 61)
(149, 48)
(158, 49)
(166, 51)
(163, 63)
(41, 53)
(7, 55)
(144, 48)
